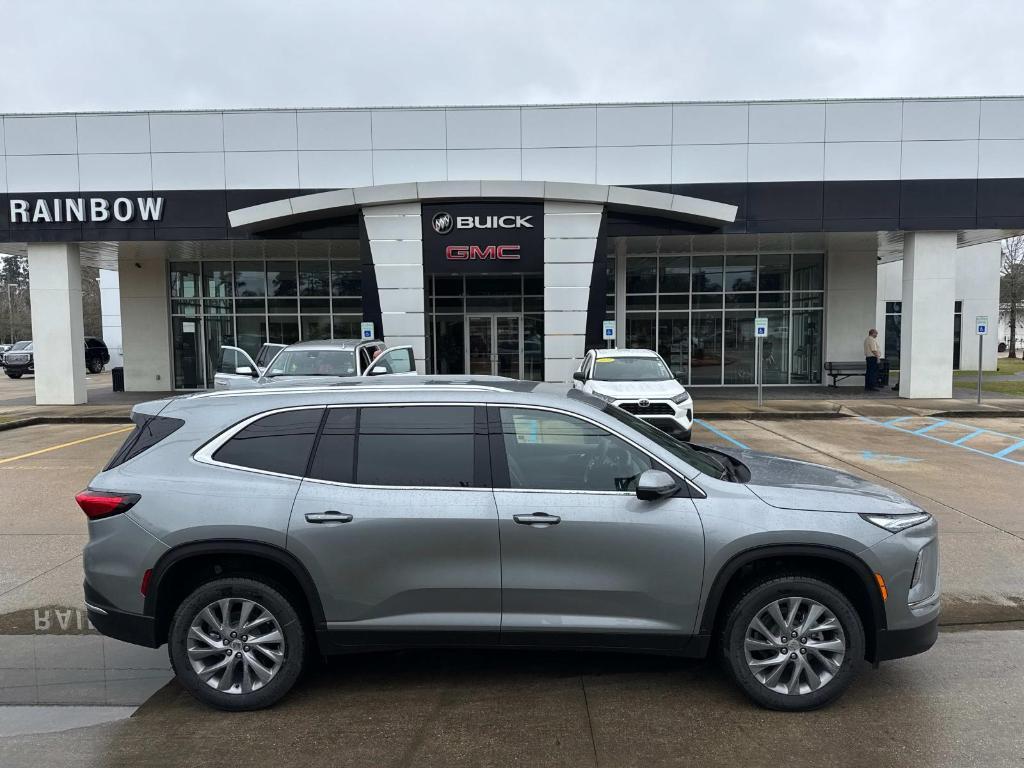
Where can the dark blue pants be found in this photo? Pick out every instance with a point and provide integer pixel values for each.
(871, 377)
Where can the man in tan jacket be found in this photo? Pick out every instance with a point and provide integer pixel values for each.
(872, 354)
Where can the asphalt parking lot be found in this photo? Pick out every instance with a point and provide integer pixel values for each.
(66, 693)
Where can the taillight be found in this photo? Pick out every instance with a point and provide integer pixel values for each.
(99, 504)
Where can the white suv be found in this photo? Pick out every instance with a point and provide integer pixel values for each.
(638, 381)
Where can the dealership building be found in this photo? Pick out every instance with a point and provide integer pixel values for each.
(498, 240)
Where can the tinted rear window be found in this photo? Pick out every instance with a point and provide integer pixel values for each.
(416, 445)
(280, 442)
(335, 452)
(149, 430)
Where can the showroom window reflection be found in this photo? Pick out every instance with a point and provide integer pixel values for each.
(228, 295)
(694, 299)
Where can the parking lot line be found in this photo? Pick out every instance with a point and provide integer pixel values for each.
(65, 445)
(721, 434)
(1001, 455)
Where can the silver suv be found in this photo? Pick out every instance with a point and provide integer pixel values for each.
(249, 529)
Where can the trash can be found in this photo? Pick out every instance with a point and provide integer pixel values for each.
(117, 376)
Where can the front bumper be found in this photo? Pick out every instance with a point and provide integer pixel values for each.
(674, 418)
(899, 643)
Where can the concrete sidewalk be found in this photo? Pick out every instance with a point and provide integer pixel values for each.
(17, 404)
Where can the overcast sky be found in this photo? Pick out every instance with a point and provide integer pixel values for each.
(66, 55)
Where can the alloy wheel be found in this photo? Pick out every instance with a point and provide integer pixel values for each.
(794, 645)
(235, 645)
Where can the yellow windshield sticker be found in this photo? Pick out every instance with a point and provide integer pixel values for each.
(606, 359)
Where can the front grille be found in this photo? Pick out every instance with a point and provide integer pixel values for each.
(652, 409)
(17, 358)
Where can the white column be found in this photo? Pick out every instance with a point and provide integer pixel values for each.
(570, 239)
(145, 318)
(926, 346)
(850, 305)
(58, 336)
(977, 286)
(396, 245)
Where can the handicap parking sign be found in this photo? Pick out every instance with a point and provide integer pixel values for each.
(366, 330)
(981, 321)
(761, 326)
(608, 330)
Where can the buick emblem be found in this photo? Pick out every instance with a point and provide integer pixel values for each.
(644, 403)
(442, 222)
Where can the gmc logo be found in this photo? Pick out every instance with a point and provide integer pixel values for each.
(476, 253)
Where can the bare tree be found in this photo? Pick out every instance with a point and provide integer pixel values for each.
(1011, 287)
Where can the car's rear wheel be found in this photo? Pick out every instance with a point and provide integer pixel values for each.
(94, 366)
(237, 644)
(793, 643)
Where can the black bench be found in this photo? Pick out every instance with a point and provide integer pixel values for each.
(844, 370)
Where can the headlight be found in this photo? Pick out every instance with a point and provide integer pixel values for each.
(682, 397)
(897, 523)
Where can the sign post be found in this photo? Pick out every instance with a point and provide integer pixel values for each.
(981, 323)
(760, 332)
(366, 331)
(608, 333)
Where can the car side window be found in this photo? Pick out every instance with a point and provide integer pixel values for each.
(551, 451)
(336, 449)
(228, 361)
(279, 442)
(431, 445)
(365, 357)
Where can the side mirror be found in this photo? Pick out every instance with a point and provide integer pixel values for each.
(378, 370)
(655, 484)
(245, 370)
(579, 376)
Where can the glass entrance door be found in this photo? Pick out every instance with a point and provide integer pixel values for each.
(494, 345)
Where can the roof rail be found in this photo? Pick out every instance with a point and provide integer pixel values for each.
(348, 388)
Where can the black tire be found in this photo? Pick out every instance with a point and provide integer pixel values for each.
(273, 601)
(14, 375)
(93, 366)
(752, 602)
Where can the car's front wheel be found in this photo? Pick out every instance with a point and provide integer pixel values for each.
(793, 643)
(237, 644)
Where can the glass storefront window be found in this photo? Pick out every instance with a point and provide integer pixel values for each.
(217, 279)
(250, 279)
(314, 278)
(706, 348)
(740, 273)
(346, 278)
(701, 311)
(347, 326)
(252, 333)
(316, 327)
(808, 272)
(773, 272)
(738, 355)
(641, 274)
(281, 278)
(185, 280)
(806, 346)
(775, 349)
(707, 274)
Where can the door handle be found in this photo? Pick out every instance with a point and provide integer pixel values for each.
(538, 518)
(330, 516)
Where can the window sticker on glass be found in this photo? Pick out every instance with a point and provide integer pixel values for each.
(606, 359)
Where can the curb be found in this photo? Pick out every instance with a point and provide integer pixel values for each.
(33, 420)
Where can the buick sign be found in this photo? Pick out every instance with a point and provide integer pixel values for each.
(482, 237)
(442, 222)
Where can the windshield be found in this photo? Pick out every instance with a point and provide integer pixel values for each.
(21, 345)
(313, 362)
(706, 464)
(630, 369)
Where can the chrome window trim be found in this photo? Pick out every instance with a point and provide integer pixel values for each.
(204, 455)
(349, 388)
